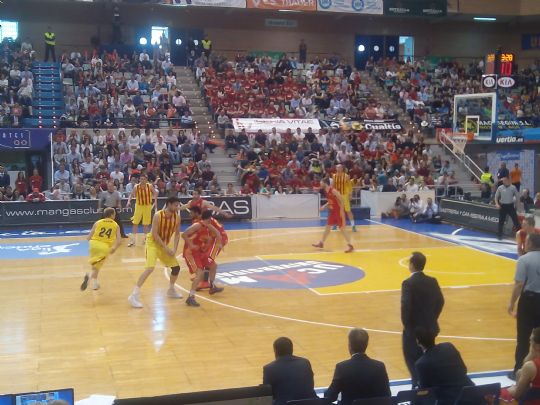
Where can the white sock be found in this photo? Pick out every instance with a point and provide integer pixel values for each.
(136, 290)
(191, 293)
(352, 222)
(95, 282)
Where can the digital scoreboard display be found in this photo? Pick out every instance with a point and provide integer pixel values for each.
(500, 64)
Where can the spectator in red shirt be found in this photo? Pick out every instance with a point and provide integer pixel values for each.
(35, 196)
(36, 181)
(21, 185)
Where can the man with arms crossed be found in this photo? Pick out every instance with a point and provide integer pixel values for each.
(165, 224)
(143, 193)
(421, 304)
(104, 239)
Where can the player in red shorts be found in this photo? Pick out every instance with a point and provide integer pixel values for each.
(527, 227)
(198, 241)
(214, 248)
(198, 201)
(336, 215)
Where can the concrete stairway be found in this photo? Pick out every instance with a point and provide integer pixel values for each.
(383, 97)
(185, 81)
(222, 165)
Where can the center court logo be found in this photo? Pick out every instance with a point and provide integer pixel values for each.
(287, 274)
(40, 250)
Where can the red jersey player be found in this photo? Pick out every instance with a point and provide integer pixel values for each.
(198, 241)
(214, 248)
(336, 215)
(198, 201)
(527, 227)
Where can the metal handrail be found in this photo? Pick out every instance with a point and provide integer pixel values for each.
(465, 160)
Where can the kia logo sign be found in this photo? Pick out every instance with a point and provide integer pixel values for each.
(506, 82)
(489, 82)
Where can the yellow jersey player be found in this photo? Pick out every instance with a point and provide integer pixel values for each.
(145, 199)
(104, 239)
(165, 224)
(342, 183)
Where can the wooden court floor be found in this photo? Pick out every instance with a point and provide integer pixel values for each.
(52, 335)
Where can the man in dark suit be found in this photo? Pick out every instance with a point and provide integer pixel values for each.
(291, 377)
(360, 377)
(440, 367)
(421, 304)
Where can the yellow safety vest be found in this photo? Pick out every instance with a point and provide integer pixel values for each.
(206, 44)
(486, 178)
(50, 38)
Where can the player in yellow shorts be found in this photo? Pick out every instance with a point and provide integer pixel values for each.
(145, 199)
(104, 239)
(165, 224)
(342, 183)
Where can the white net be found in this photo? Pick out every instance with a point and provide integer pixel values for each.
(459, 142)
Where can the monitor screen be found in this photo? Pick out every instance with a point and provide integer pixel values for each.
(44, 397)
(6, 399)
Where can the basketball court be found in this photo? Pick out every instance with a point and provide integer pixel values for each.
(54, 335)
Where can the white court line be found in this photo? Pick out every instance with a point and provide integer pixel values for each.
(330, 325)
(320, 252)
(267, 235)
(457, 231)
(282, 272)
(444, 240)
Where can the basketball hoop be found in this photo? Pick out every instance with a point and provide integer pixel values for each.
(457, 140)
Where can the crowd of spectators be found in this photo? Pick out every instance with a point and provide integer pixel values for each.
(251, 86)
(16, 82)
(112, 91)
(425, 90)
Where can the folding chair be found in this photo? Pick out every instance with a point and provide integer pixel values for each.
(375, 401)
(417, 397)
(480, 395)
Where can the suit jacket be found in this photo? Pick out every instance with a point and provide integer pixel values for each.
(421, 302)
(357, 378)
(443, 368)
(291, 377)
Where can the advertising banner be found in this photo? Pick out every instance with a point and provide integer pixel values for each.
(351, 6)
(207, 3)
(368, 125)
(252, 125)
(482, 217)
(29, 139)
(416, 8)
(86, 211)
(297, 5)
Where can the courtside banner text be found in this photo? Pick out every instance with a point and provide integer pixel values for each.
(351, 6)
(299, 5)
(482, 217)
(86, 211)
(29, 139)
(252, 125)
(207, 3)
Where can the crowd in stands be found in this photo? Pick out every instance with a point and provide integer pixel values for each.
(16, 82)
(256, 87)
(110, 91)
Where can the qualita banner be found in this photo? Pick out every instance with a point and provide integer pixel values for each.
(418, 8)
(351, 6)
(368, 125)
(207, 3)
(252, 125)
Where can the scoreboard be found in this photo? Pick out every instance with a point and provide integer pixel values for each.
(501, 64)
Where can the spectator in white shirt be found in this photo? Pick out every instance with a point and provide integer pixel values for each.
(186, 121)
(117, 175)
(160, 146)
(132, 86)
(411, 186)
(299, 135)
(274, 136)
(416, 206)
(88, 168)
(430, 213)
(129, 109)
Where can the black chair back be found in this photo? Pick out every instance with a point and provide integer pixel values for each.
(375, 401)
(480, 395)
(309, 401)
(417, 397)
